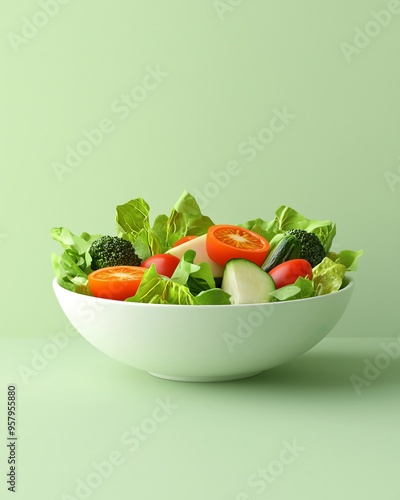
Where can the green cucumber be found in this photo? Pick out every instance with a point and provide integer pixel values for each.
(288, 248)
(246, 282)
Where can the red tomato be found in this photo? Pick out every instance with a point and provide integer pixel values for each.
(118, 282)
(288, 272)
(164, 262)
(183, 240)
(225, 242)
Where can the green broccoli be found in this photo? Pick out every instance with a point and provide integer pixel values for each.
(311, 247)
(111, 251)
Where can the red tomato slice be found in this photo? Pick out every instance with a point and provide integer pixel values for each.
(118, 283)
(183, 240)
(288, 272)
(225, 242)
(164, 262)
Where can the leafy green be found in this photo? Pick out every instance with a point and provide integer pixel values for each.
(197, 277)
(287, 218)
(214, 296)
(328, 276)
(156, 289)
(186, 219)
(348, 258)
(72, 267)
(301, 289)
(194, 283)
(133, 223)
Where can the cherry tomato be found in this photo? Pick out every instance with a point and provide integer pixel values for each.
(183, 240)
(164, 262)
(225, 242)
(118, 282)
(288, 272)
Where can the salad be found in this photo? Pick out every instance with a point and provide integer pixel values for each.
(185, 258)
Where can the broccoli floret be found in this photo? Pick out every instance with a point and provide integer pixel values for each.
(111, 251)
(311, 247)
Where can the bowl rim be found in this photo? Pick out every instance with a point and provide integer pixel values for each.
(348, 282)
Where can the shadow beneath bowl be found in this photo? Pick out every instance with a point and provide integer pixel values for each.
(321, 371)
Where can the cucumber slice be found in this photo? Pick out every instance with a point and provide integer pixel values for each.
(246, 282)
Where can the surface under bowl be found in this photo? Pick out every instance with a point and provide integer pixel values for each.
(204, 343)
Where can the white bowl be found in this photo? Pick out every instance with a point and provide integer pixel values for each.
(204, 343)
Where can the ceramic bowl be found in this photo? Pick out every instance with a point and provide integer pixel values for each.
(204, 343)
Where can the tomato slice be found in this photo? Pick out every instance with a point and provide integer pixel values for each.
(118, 283)
(226, 242)
(288, 272)
(183, 240)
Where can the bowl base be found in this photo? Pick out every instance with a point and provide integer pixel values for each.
(217, 378)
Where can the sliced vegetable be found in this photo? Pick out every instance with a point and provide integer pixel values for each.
(226, 242)
(199, 246)
(246, 282)
(288, 272)
(288, 248)
(155, 289)
(165, 263)
(118, 283)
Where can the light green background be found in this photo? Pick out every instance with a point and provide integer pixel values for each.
(225, 78)
(227, 72)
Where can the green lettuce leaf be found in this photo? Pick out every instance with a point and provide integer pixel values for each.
(197, 277)
(133, 223)
(348, 258)
(328, 276)
(156, 289)
(72, 267)
(301, 289)
(214, 296)
(287, 218)
(186, 219)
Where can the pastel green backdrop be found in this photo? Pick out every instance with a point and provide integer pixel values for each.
(203, 79)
